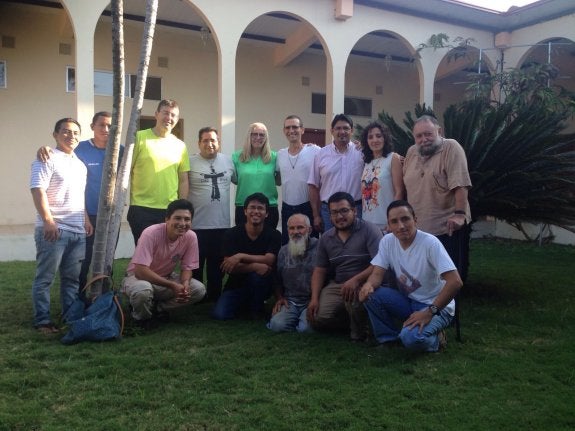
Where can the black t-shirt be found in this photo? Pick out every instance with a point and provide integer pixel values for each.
(236, 240)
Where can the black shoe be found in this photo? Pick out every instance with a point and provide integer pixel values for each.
(162, 316)
(146, 324)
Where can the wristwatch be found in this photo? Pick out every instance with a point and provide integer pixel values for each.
(434, 310)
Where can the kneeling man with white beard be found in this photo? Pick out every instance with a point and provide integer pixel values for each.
(294, 268)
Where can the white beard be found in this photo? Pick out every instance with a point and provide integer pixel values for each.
(298, 246)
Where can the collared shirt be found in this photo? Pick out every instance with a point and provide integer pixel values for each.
(430, 184)
(63, 178)
(347, 259)
(334, 171)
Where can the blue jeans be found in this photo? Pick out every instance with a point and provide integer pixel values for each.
(66, 255)
(250, 296)
(290, 319)
(386, 305)
(325, 217)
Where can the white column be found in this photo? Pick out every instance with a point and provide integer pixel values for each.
(84, 16)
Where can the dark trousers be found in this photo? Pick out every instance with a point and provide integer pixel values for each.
(271, 220)
(140, 218)
(457, 246)
(249, 297)
(288, 211)
(209, 244)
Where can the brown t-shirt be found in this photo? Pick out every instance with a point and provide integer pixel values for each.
(431, 182)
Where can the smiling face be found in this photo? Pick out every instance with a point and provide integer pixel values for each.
(67, 137)
(341, 133)
(293, 130)
(209, 145)
(178, 224)
(167, 118)
(375, 141)
(258, 137)
(402, 223)
(255, 212)
(342, 214)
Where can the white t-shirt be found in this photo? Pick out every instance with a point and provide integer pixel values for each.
(294, 171)
(418, 269)
(210, 191)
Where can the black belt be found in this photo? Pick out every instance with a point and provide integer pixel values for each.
(355, 202)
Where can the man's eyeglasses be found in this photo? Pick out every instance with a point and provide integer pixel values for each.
(341, 211)
(256, 208)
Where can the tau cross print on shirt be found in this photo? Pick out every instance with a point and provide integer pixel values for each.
(214, 177)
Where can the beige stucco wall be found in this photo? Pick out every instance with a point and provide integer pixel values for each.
(200, 75)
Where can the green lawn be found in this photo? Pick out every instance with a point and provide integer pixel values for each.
(514, 370)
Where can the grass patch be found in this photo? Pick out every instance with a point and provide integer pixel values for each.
(514, 370)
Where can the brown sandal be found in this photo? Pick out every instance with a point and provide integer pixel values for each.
(47, 329)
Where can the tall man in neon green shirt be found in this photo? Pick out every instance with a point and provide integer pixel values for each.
(160, 167)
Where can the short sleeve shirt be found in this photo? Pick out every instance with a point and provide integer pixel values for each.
(430, 182)
(161, 255)
(236, 240)
(346, 259)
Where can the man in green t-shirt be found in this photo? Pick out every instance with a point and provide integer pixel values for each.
(160, 167)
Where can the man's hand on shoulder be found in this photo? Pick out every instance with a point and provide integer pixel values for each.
(43, 154)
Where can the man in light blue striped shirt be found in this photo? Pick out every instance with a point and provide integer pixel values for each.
(57, 188)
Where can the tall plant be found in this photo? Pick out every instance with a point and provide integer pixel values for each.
(521, 162)
(114, 188)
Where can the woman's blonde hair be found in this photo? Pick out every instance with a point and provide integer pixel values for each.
(246, 153)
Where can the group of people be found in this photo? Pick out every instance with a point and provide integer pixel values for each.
(349, 256)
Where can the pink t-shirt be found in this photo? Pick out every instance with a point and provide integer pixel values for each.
(161, 255)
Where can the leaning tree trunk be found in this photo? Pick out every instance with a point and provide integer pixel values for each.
(113, 192)
(107, 189)
(125, 167)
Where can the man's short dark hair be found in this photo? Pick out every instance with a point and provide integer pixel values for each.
(65, 120)
(206, 129)
(341, 117)
(294, 117)
(258, 197)
(167, 102)
(179, 204)
(104, 114)
(400, 203)
(341, 196)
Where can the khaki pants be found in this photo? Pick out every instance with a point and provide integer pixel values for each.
(335, 314)
(142, 294)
